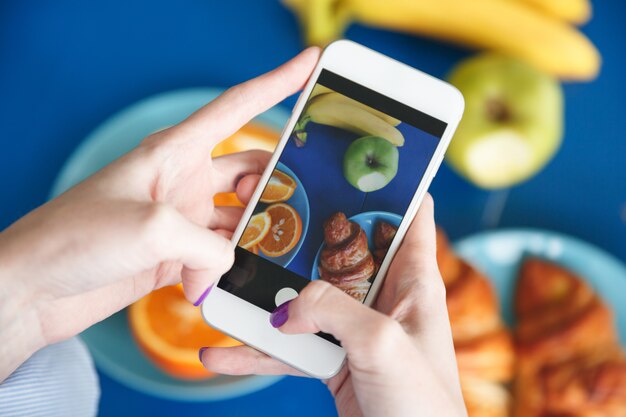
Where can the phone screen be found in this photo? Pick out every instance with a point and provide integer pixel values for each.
(337, 195)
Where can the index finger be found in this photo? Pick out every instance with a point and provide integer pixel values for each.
(238, 105)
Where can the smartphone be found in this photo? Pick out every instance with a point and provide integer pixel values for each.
(364, 141)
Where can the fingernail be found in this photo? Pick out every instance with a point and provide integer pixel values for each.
(203, 296)
(280, 315)
(200, 352)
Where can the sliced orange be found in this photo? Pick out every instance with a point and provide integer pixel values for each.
(169, 330)
(258, 227)
(285, 231)
(251, 136)
(254, 249)
(279, 188)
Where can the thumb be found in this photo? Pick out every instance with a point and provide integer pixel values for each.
(420, 239)
(323, 307)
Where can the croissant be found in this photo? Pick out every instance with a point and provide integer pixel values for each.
(484, 346)
(485, 398)
(345, 260)
(569, 360)
(449, 264)
(383, 236)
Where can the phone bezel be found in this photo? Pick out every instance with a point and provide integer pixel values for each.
(250, 324)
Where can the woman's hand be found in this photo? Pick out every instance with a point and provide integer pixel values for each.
(400, 358)
(141, 223)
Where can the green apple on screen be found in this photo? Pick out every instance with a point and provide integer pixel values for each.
(370, 163)
(513, 121)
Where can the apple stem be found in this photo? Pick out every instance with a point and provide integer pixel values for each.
(300, 138)
(498, 111)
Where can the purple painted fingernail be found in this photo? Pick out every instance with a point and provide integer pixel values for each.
(203, 296)
(200, 352)
(280, 315)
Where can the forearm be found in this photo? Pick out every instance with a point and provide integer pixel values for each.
(20, 332)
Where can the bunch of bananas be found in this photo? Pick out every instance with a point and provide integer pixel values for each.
(536, 31)
(333, 109)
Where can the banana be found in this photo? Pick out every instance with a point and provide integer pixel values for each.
(344, 99)
(323, 20)
(333, 110)
(318, 90)
(512, 27)
(300, 134)
(573, 11)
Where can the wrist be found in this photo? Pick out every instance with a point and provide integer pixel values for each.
(20, 330)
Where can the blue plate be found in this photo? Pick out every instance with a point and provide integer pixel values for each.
(110, 341)
(300, 202)
(367, 221)
(498, 255)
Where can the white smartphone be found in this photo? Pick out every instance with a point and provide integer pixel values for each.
(363, 144)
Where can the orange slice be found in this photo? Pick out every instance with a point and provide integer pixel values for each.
(169, 330)
(285, 231)
(251, 136)
(279, 188)
(258, 227)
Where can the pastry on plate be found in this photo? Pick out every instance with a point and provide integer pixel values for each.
(569, 359)
(383, 236)
(484, 346)
(345, 260)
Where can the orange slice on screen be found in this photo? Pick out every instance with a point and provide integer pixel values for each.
(170, 331)
(250, 136)
(258, 227)
(279, 188)
(285, 231)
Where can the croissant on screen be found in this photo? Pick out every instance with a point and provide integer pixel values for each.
(484, 346)
(345, 260)
(383, 236)
(569, 359)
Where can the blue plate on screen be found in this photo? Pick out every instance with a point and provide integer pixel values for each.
(300, 202)
(367, 221)
(498, 255)
(110, 341)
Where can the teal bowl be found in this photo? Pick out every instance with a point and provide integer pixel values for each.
(499, 254)
(300, 202)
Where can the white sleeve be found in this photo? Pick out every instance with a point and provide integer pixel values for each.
(59, 380)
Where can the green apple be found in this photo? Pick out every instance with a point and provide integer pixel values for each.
(370, 163)
(513, 121)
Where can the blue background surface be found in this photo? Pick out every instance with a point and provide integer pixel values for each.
(65, 66)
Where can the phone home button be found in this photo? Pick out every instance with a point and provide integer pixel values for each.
(285, 294)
